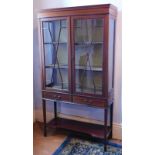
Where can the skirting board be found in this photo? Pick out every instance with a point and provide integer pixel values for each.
(117, 128)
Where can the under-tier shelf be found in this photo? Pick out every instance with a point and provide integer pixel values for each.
(94, 130)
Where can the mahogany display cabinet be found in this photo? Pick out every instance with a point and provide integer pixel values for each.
(77, 62)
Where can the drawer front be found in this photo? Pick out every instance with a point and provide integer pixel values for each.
(56, 96)
(90, 101)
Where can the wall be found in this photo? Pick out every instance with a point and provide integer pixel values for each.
(84, 113)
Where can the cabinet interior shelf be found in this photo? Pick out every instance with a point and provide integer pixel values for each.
(56, 66)
(98, 90)
(80, 27)
(87, 43)
(62, 27)
(58, 87)
(76, 67)
(90, 90)
(55, 43)
(88, 69)
(77, 43)
(96, 130)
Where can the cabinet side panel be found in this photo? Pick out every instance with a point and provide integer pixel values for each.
(41, 52)
(111, 55)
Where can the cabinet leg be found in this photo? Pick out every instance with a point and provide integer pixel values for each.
(105, 131)
(44, 117)
(111, 118)
(55, 109)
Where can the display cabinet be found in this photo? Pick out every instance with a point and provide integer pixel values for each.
(77, 59)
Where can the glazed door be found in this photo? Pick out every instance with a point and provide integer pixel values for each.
(88, 54)
(56, 55)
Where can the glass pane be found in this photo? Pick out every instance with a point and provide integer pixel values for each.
(88, 55)
(56, 54)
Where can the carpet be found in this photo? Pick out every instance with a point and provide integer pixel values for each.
(78, 146)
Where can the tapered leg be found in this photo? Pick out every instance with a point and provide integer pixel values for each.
(44, 117)
(111, 118)
(105, 131)
(55, 109)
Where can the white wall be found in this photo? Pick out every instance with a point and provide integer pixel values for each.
(82, 111)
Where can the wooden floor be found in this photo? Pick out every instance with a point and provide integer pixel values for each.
(47, 145)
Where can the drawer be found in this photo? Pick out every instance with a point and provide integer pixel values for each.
(56, 96)
(90, 101)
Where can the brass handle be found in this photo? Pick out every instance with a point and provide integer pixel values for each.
(85, 100)
(58, 97)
